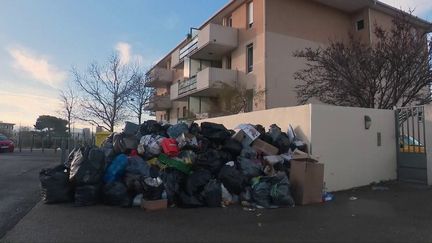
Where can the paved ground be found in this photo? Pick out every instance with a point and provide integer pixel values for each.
(400, 214)
(19, 190)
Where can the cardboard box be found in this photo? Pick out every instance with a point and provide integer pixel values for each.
(302, 156)
(263, 147)
(154, 205)
(307, 181)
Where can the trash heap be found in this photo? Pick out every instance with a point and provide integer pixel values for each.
(155, 166)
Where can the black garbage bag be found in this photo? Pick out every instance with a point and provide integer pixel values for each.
(216, 133)
(79, 156)
(196, 181)
(192, 196)
(136, 165)
(249, 153)
(87, 195)
(116, 194)
(232, 178)
(178, 129)
(210, 160)
(188, 201)
(150, 127)
(153, 188)
(283, 143)
(233, 147)
(250, 168)
(280, 191)
(55, 187)
(194, 129)
(212, 194)
(173, 182)
(91, 169)
(274, 131)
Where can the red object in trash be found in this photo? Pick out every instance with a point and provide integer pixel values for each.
(169, 146)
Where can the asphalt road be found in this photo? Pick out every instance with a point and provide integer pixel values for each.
(400, 214)
(19, 190)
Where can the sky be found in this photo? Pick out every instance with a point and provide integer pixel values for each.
(40, 41)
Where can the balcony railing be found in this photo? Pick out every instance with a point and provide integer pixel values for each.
(188, 85)
(189, 48)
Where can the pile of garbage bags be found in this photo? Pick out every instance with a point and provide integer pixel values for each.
(189, 165)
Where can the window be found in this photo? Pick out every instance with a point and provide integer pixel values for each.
(229, 62)
(184, 111)
(161, 118)
(249, 56)
(228, 21)
(178, 112)
(250, 15)
(360, 25)
(249, 100)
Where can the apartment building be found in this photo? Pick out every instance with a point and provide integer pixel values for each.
(250, 45)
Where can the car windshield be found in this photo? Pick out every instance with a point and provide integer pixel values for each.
(2, 138)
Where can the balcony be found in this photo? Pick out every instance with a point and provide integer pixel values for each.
(205, 83)
(214, 41)
(159, 77)
(211, 43)
(158, 103)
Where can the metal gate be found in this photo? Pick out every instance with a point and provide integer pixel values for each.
(411, 144)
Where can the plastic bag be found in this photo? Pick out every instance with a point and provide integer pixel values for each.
(232, 178)
(55, 187)
(187, 141)
(173, 181)
(212, 194)
(152, 144)
(150, 127)
(282, 142)
(196, 181)
(116, 169)
(210, 160)
(233, 147)
(250, 168)
(249, 153)
(115, 194)
(280, 191)
(88, 167)
(136, 165)
(216, 133)
(176, 130)
(261, 192)
(87, 195)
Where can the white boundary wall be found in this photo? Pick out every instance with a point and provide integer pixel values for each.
(337, 136)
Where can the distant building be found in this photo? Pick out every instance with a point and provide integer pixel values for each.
(86, 133)
(6, 128)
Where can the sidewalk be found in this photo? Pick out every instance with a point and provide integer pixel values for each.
(401, 214)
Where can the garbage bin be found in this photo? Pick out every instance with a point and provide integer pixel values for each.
(100, 137)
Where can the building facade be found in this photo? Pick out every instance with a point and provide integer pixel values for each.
(6, 128)
(249, 45)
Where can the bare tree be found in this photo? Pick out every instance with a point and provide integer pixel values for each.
(140, 96)
(69, 100)
(105, 91)
(395, 70)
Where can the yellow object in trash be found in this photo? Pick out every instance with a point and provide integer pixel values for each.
(100, 137)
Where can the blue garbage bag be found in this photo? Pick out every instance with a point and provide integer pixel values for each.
(116, 169)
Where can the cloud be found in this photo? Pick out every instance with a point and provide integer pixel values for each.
(124, 50)
(37, 67)
(420, 7)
